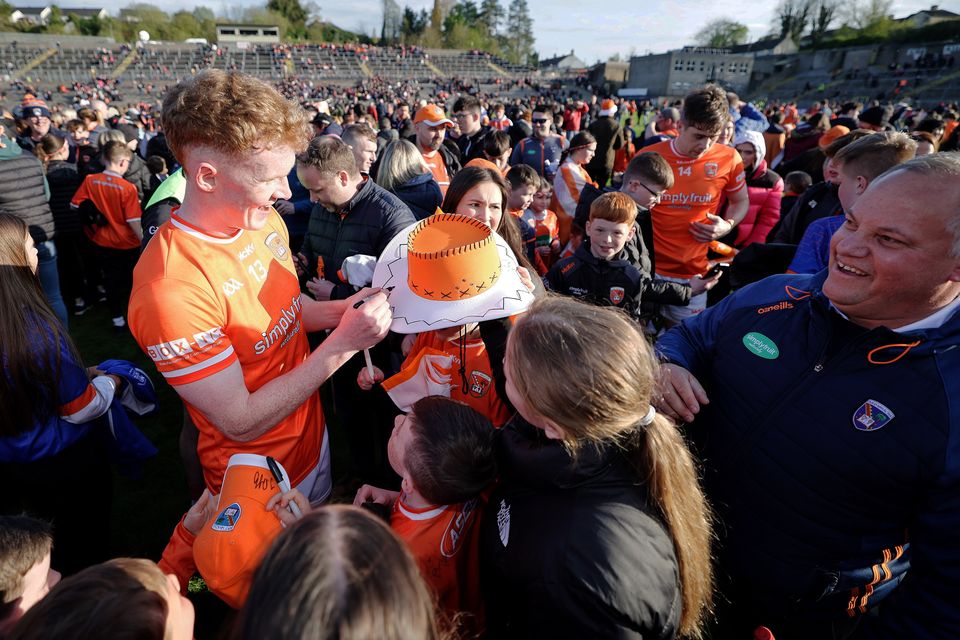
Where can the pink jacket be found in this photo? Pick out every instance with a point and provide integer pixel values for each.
(765, 189)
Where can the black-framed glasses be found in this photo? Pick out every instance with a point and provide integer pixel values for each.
(657, 197)
(461, 116)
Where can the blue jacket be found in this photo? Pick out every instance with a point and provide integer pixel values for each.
(422, 194)
(832, 457)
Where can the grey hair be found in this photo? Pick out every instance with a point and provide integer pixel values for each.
(400, 163)
(945, 167)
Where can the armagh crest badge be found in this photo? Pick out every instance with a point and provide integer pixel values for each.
(616, 294)
(711, 169)
(872, 416)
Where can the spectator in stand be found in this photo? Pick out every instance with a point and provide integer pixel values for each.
(121, 598)
(466, 113)
(111, 209)
(76, 257)
(23, 193)
(338, 572)
(663, 127)
(431, 126)
(362, 140)
(609, 136)
(403, 173)
(764, 188)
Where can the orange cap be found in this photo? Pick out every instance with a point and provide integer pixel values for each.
(229, 548)
(834, 132)
(433, 116)
(483, 163)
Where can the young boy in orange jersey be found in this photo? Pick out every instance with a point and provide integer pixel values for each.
(113, 206)
(545, 224)
(524, 182)
(683, 225)
(471, 380)
(443, 451)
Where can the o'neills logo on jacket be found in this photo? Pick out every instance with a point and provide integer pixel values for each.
(780, 306)
(284, 328)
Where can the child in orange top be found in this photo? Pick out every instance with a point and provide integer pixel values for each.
(545, 224)
(443, 451)
(572, 178)
(524, 182)
(113, 207)
(471, 381)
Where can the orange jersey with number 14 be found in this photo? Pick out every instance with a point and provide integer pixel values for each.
(698, 185)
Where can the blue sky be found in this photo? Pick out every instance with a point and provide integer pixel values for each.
(594, 29)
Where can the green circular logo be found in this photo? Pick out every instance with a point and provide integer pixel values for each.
(760, 345)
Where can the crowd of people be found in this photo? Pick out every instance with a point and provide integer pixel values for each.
(603, 368)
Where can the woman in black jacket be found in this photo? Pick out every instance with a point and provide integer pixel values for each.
(598, 528)
(401, 171)
(77, 259)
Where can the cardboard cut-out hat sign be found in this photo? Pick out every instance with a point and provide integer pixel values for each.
(449, 270)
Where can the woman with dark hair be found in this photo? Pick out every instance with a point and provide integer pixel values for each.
(401, 171)
(52, 462)
(338, 572)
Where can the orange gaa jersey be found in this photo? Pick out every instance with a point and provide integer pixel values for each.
(119, 203)
(698, 185)
(201, 303)
(444, 541)
(439, 170)
(481, 391)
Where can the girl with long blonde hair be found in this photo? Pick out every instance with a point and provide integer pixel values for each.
(599, 527)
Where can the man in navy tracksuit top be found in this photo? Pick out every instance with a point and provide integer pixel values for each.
(829, 426)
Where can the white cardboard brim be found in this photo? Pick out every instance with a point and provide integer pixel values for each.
(413, 314)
